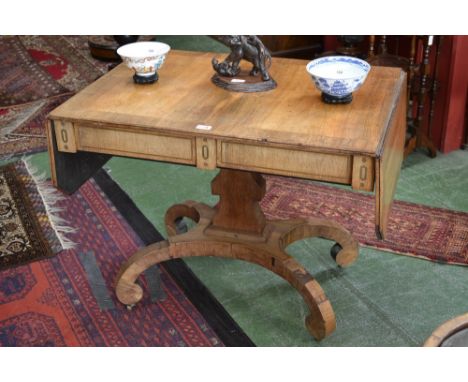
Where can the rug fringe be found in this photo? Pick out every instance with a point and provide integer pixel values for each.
(50, 196)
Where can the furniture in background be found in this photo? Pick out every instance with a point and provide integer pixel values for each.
(287, 131)
(305, 47)
(105, 47)
(465, 144)
(452, 333)
(450, 115)
(422, 85)
(348, 45)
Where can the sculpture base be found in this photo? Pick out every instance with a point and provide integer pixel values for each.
(244, 83)
(327, 98)
(145, 79)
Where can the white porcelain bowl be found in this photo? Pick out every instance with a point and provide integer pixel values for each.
(144, 57)
(338, 76)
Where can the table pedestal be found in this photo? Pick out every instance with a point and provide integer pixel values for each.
(237, 228)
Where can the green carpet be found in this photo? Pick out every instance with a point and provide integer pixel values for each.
(381, 300)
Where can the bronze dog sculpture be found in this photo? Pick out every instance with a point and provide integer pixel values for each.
(249, 48)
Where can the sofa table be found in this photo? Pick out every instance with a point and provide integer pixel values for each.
(184, 118)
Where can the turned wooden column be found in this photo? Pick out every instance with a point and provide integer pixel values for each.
(240, 194)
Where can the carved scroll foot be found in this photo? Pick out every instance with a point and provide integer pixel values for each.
(321, 320)
(127, 290)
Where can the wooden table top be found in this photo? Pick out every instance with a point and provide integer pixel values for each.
(292, 115)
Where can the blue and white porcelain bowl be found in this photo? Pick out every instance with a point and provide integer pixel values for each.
(145, 57)
(338, 76)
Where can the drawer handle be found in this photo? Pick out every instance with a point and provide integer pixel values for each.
(363, 173)
(205, 152)
(64, 135)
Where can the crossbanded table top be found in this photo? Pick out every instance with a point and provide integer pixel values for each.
(292, 115)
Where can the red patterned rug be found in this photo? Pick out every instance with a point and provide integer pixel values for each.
(68, 300)
(37, 73)
(434, 234)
